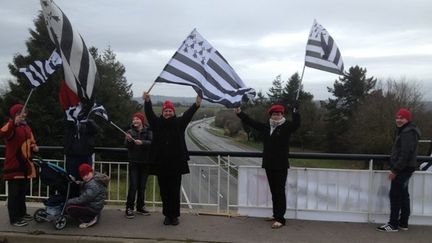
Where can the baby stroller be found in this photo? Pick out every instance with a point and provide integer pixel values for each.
(59, 181)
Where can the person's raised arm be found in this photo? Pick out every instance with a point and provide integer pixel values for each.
(148, 109)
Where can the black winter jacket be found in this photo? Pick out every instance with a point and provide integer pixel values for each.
(139, 153)
(404, 151)
(276, 145)
(79, 139)
(168, 149)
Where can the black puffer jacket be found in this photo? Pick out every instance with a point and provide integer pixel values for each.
(404, 151)
(168, 150)
(93, 193)
(276, 145)
(139, 153)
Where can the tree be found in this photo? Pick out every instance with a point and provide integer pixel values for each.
(350, 90)
(45, 113)
(275, 92)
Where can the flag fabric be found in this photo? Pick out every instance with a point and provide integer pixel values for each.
(39, 71)
(78, 65)
(100, 111)
(198, 64)
(72, 113)
(322, 52)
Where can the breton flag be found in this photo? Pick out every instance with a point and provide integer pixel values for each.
(322, 52)
(100, 111)
(73, 112)
(39, 71)
(198, 64)
(78, 65)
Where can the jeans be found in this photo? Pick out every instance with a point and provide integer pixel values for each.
(16, 199)
(277, 180)
(138, 174)
(81, 213)
(399, 200)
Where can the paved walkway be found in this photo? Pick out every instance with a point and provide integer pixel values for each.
(114, 227)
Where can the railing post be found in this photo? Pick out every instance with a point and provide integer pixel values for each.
(228, 185)
(370, 190)
(218, 188)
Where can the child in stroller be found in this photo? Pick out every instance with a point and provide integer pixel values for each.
(59, 182)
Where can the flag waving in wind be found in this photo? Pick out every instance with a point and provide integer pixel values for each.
(198, 64)
(322, 52)
(78, 65)
(39, 71)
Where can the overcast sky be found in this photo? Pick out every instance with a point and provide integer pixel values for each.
(260, 39)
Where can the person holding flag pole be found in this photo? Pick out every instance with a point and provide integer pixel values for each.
(169, 153)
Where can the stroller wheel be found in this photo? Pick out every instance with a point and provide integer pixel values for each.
(60, 222)
(40, 215)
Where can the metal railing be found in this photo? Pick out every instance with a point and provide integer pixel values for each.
(218, 185)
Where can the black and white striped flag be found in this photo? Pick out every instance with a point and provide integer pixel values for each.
(39, 71)
(100, 111)
(78, 65)
(73, 112)
(198, 64)
(322, 52)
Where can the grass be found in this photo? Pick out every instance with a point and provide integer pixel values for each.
(308, 163)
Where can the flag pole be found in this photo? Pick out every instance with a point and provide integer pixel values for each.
(27, 100)
(151, 87)
(121, 130)
(300, 83)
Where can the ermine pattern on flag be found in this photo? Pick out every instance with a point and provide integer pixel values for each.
(39, 71)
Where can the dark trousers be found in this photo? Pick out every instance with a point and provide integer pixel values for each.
(399, 200)
(81, 213)
(170, 193)
(16, 199)
(277, 179)
(138, 174)
(72, 164)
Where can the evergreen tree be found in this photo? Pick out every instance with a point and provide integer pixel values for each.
(350, 90)
(45, 113)
(275, 92)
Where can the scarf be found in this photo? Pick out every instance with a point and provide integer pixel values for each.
(274, 124)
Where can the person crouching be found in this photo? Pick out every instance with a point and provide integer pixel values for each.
(87, 206)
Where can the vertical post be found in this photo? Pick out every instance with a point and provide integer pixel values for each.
(228, 185)
(218, 188)
(118, 181)
(370, 190)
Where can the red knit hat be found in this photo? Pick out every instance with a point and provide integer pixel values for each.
(15, 109)
(276, 108)
(404, 113)
(84, 169)
(168, 105)
(140, 116)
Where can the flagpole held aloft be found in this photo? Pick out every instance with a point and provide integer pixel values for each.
(151, 87)
(121, 130)
(300, 83)
(27, 100)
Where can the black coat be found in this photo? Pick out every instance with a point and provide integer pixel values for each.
(79, 139)
(276, 145)
(168, 152)
(404, 151)
(139, 153)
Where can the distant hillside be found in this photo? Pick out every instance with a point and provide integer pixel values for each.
(182, 100)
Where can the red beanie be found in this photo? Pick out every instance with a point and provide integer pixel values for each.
(404, 113)
(276, 108)
(140, 116)
(84, 169)
(15, 109)
(168, 105)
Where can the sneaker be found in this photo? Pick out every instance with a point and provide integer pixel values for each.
(129, 213)
(175, 221)
(91, 223)
(143, 211)
(27, 217)
(387, 228)
(20, 223)
(403, 227)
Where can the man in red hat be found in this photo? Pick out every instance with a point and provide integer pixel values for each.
(403, 162)
(169, 153)
(276, 134)
(138, 140)
(18, 167)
